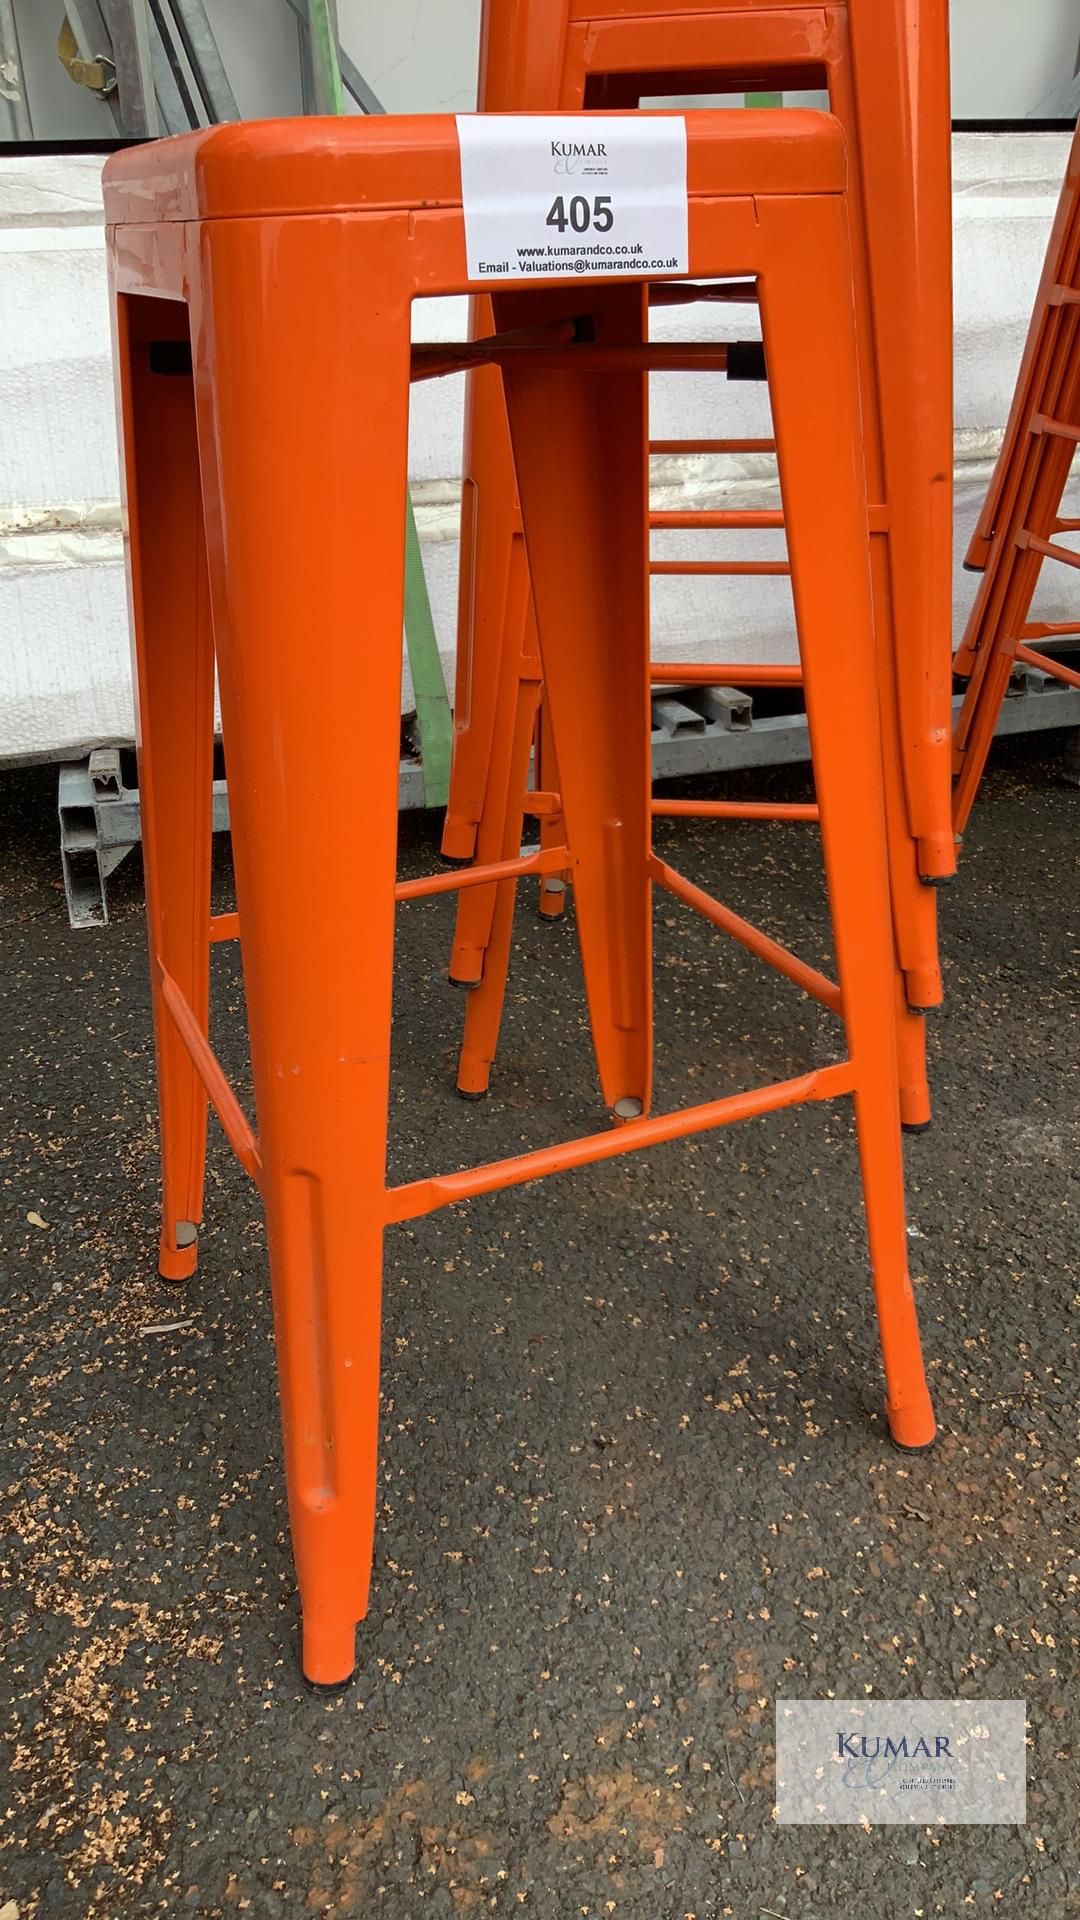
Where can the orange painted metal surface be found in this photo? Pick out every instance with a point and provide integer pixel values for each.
(248, 524)
(1022, 510)
(734, 810)
(694, 673)
(885, 66)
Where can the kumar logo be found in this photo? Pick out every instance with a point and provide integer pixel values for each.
(859, 1746)
(900, 1762)
(578, 150)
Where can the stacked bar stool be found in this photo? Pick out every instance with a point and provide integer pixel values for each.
(248, 527)
(1022, 511)
(885, 66)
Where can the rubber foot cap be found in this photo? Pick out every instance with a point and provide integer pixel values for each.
(926, 1446)
(473, 1093)
(463, 986)
(915, 1126)
(455, 859)
(328, 1688)
(971, 567)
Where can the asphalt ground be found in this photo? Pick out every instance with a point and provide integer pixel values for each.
(634, 1478)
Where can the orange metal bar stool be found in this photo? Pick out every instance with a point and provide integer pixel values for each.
(255, 261)
(1022, 512)
(886, 69)
(1053, 312)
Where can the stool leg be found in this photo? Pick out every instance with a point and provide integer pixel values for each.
(174, 681)
(304, 434)
(484, 1010)
(552, 825)
(580, 451)
(506, 774)
(914, 904)
(900, 68)
(489, 630)
(484, 1007)
(913, 672)
(806, 315)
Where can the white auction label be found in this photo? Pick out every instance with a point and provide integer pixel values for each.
(560, 195)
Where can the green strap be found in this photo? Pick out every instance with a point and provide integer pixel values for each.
(329, 87)
(429, 688)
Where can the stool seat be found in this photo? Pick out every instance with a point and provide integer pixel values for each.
(356, 164)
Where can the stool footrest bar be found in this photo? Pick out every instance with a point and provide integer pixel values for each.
(206, 1064)
(724, 673)
(708, 518)
(1058, 429)
(436, 358)
(418, 1197)
(712, 446)
(734, 810)
(755, 942)
(1047, 547)
(1049, 629)
(226, 926)
(1055, 668)
(720, 566)
(548, 860)
(679, 293)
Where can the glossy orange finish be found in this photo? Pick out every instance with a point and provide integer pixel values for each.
(1022, 511)
(308, 296)
(174, 667)
(885, 65)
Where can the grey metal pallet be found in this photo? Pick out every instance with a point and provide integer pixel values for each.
(695, 731)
